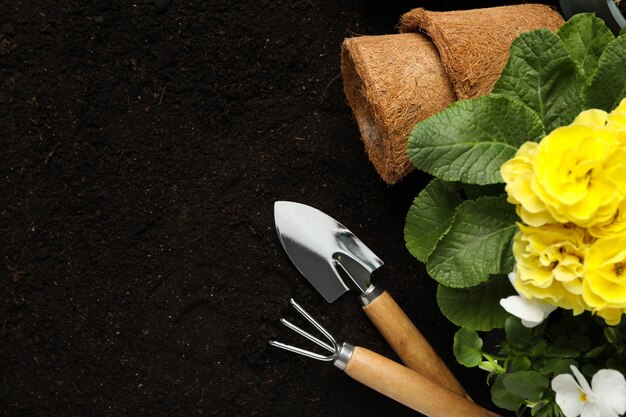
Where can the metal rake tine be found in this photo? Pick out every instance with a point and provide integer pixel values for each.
(332, 347)
(302, 352)
(311, 320)
(308, 335)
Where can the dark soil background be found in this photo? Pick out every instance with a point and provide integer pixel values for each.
(143, 146)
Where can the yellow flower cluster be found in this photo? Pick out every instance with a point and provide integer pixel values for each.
(570, 192)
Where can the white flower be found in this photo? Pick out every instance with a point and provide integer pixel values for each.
(532, 312)
(606, 397)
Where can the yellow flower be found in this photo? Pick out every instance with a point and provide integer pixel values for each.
(550, 264)
(615, 227)
(593, 118)
(570, 192)
(570, 176)
(518, 174)
(575, 174)
(604, 285)
(616, 121)
(612, 316)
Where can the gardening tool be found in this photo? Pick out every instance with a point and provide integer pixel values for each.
(384, 375)
(327, 253)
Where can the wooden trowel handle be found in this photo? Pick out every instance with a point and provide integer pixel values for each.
(408, 387)
(408, 343)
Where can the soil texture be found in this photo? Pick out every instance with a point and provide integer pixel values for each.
(143, 146)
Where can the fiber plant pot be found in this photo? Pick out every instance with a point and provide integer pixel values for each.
(607, 10)
(392, 82)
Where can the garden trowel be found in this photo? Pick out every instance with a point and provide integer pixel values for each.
(330, 256)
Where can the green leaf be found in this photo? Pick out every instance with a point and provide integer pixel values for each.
(613, 335)
(622, 32)
(607, 87)
(615, 362)
(476, 308)
(585, 36)
(473, 191)
(517, 334)
(556, 366)
(560, 352)
(580, 342)
(529, 385)
(589, 370)
(504, 398)
(596, 351)
(478, 244)
(541, 74)
(470, 139)
(538, 349)
(467, 348)
(520, 363)
(544, 410)
(429, 217)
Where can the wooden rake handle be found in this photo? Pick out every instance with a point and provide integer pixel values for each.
(407, 341)
(408, 387)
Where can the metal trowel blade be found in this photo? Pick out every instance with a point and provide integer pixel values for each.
(323, 250)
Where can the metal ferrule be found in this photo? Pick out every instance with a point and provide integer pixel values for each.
(370, 295)
(343, 355)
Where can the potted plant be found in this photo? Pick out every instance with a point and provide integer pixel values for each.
(524, 224)
(611, 11)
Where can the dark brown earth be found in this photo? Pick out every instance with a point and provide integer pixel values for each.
(143, 147)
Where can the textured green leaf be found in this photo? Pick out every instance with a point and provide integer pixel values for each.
(470, 139)
(541, 74)
(607, 87)
(467, 348)
(529, 385)
(585, 36)
(476, 308)
(622, 32)
(478, 244)
(429, 217)
(473, 191)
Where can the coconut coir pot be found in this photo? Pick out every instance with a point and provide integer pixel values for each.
(392, 82)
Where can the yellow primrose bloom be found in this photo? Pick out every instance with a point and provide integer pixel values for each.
(616, 163)
(575, 174)
(518, 174)
(615, 227)
(615, 166)
(550, 264)
(570, 192)
(616, 121)
(604, 285)
(593, 118)
(571, 178)
(612, 316)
